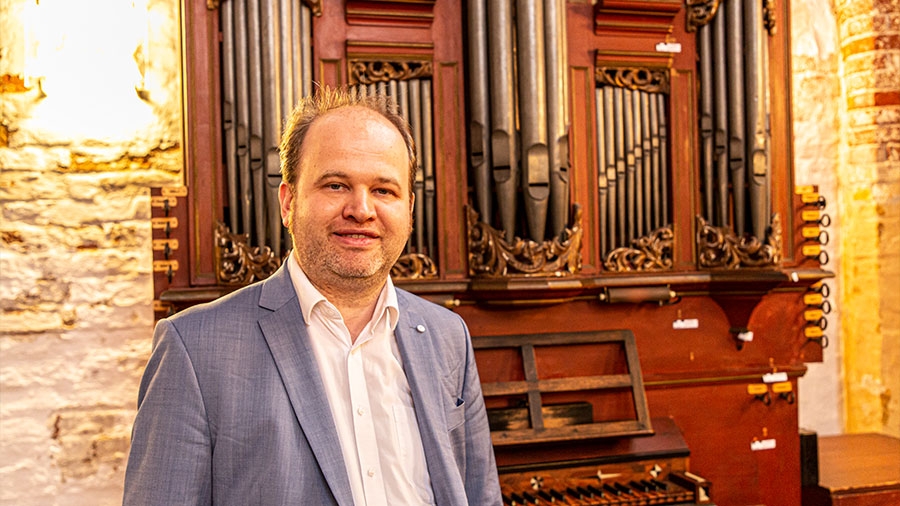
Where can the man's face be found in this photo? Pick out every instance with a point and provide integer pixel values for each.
(350, 212)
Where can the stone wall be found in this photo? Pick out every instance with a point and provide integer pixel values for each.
(817, 119)
(91, 117)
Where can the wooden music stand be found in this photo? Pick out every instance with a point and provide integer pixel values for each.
(563, 367)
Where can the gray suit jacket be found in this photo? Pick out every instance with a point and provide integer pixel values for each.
(232, 410)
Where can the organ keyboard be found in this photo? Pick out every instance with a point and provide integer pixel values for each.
(633, 471)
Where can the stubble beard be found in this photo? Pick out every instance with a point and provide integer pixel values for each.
(331, 269)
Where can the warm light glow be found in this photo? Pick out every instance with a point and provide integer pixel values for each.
(93, 59)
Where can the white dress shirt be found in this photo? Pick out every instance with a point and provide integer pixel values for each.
(370, 398)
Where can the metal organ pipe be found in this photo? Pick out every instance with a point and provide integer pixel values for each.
(505, 163)
(533, 115)
(602, 183)
(557, 117)
(479, 124)
(229, 120)
(736, 149)
(757, 115)
(720, 101)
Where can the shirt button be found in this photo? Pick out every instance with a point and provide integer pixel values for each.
(361, 411)
(370, 472)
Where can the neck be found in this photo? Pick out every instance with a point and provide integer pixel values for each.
(355, 299)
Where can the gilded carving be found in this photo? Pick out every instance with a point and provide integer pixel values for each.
(370, 72)
(492, 256)
(700, 12)
(239, 264)
(719, 247)
(651, 80)
(769, 16)
(414, 266)
(315, 6)
(651, 252)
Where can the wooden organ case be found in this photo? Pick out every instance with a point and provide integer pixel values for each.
(605, 195)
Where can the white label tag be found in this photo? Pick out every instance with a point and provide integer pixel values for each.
(775, 377)
(764, 444)
(689, 323)
(668, 47)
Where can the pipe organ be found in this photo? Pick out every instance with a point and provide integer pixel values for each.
(605, 194)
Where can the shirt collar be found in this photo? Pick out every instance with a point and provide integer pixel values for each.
(310, 296)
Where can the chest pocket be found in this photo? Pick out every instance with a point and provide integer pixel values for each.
(454, 405)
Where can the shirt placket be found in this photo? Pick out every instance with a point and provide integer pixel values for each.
(364, 430)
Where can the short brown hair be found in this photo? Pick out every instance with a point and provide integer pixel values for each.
(324, 100)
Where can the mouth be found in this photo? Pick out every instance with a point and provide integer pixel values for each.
(356, 237)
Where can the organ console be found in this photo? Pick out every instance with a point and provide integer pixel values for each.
(622, 471)
(606, 196)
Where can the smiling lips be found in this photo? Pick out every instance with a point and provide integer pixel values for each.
(357, 235)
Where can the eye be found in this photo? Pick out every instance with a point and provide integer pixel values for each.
(385, 192)
(334, 186)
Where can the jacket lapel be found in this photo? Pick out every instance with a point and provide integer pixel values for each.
(419, 358)
(285, 333)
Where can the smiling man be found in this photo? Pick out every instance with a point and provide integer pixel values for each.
(323, 384)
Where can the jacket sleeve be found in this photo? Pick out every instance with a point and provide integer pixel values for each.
(170, 459)
(482, 484)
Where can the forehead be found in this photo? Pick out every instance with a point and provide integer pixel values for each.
(353, 121)
(354, 135)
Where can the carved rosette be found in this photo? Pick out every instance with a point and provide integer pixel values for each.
(371, 72)
(239, 264)
(651, 80)
(719, 247)
(648, 253)
(414, 266)
(700, 12)
(490, 255)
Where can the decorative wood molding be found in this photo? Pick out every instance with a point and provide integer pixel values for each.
(719, 247)
(239, 264)
(370, 72)
(652, 252)
(699, 13)
(414, 266)
(212, 4)
(490, 255)
(630, 16)
(411, 13)
(651, 80)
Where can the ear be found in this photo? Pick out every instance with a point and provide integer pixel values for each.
(286, 199)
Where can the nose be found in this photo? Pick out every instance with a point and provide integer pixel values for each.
(359, 206)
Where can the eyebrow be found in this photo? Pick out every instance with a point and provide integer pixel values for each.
(343, 175)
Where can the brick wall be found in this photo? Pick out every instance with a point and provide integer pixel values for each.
(869, 204)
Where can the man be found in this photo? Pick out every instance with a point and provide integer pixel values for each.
(322, 384)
